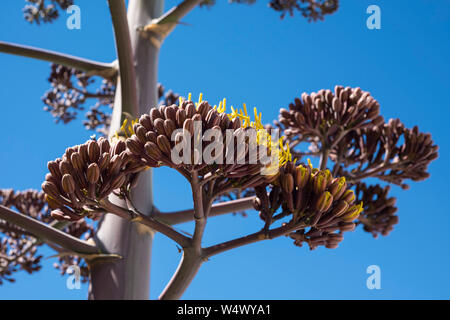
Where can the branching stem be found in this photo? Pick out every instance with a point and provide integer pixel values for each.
(150, 222)
(252, 238)
(46, 232)
(160, 28)
(125, 56)
(106, 70)
(217, 209)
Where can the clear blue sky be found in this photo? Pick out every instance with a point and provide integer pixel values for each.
(248, 54)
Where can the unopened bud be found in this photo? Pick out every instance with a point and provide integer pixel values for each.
(93, 173)
(134, 146)
(77, 161)
(163, 144)
(189, 126)
(119, 147)
(104, 145)
(53, 167)
(347, 226)
(104, 161)
(153, 151)
(118, 182)
(170, 113)
(154, 115)
(169, 127)
(93, 151)
(180, 117)
(159, 126)
(50, 189)
(68, 184)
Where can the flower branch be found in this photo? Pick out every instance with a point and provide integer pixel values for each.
(252, 238)
(125, 57)
(217, 209)
(150, 222)
(105, 70)
(160, 28)
(47, 233)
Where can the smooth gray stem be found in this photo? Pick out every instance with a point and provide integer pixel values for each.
(146, 55)
(129, 278)
(217, 209)
(106, 70)
(47, 232)
(187, 270)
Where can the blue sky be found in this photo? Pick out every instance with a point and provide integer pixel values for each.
(247, 54)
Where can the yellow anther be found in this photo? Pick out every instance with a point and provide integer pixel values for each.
(245, 110)
(221, 108)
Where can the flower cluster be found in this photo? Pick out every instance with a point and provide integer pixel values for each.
(19, 246)
(168, 97)
(326, 116)
(313, 10)
(345, 126)
(188, 126)
(39, 11)
(379, 209)
(389, 152)
(85, 175)
(99, 116)
(29, 202)
(64, 98)
(71, 90)
(17, 251)
(311, 198)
